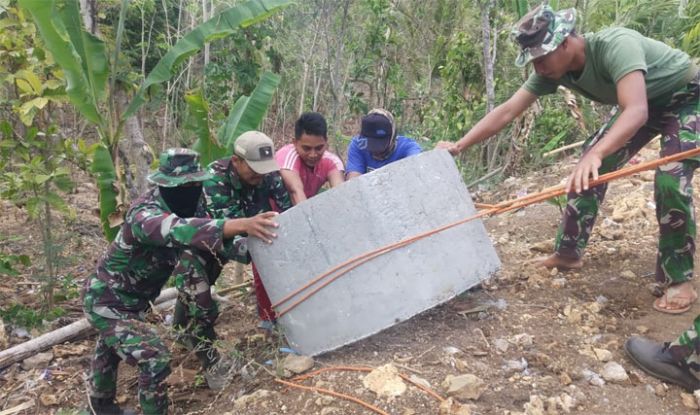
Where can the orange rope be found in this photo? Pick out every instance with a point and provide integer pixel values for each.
(348, 397)
(502, 207)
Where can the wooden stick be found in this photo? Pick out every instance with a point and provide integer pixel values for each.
(18, 408)
(566, 147)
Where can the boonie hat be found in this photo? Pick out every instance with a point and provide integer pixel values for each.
(178, 166)
(541, 31)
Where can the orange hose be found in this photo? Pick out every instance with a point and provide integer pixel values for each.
(502, 207)
(333, 393)
(300, 378)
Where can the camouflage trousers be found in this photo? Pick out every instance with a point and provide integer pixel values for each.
(678, 122)
(195, 310)
(687, 347)
(135, 342)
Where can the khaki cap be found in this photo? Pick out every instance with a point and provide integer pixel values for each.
(258, 150)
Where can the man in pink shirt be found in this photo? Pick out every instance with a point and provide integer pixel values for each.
(306, 165)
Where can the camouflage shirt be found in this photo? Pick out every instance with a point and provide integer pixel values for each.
(228, 197)
(147, 249)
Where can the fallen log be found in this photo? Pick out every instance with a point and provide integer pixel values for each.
(70, 332)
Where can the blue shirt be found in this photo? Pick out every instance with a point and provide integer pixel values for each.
(360, 160)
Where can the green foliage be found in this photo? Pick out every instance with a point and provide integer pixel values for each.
(84, 62)
(29, 317)
(220, 26)
(247, 114)
(9, 263)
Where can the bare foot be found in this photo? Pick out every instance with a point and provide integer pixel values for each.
(559, 262)
(677, 299)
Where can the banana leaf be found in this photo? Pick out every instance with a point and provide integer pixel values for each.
(220, 26)
(103, 169)
(207, 146)
(248, 112)
(48, 16)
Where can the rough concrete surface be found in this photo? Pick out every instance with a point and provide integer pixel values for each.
(400, 200)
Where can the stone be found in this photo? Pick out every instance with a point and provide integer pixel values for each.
(602, 355)
(450, 407)
(385, 382)
(383, 207)
(661, 390)
(614, 372)
(522, 339)
(501, 345)
(331, 410)
(513, 366)
(464, 387)
(535, 406)
(38, 361)
(696, 395)
(628, 275)
(297, 364)
(689, 401)
(592, 377)
(247, 400)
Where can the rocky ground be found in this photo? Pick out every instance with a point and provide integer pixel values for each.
(530, 341)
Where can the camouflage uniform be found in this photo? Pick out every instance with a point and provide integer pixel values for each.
(678, 123)
(152, 244)
(228, 197)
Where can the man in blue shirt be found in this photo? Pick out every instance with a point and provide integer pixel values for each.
(377, 145)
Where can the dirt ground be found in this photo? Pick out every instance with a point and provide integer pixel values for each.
(533, 336)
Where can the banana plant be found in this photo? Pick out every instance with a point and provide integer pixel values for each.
(90, 82)
(245, 115)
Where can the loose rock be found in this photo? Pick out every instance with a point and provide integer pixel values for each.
(450, 407)
(603, 355)
(385, 382)
(614, 372)
(297, 364)
(689, 400)
(464, 387)
(38, 361)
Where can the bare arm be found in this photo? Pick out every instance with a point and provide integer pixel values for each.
(335, 178)
(632, 99)
(353, 174)
(292, 181)
(493, 122)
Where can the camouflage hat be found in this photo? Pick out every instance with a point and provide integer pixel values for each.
(178, 166)
(540, 32)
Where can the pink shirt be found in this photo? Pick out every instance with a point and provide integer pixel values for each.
(288, 159)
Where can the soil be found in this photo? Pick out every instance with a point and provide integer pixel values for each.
(553, 320)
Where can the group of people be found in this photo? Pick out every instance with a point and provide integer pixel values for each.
(194, 220)
(188, 225)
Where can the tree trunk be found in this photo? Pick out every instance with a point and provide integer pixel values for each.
(88, 8)
(72, 331)
(136, 154)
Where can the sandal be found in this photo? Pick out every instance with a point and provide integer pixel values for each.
(672, 297)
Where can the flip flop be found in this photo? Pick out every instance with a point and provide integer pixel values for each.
(676, 310)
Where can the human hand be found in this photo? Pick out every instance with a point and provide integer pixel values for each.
(259, 226)
(453, 148)
(586, 168)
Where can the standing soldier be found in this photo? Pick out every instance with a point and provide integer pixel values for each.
(164, 233)
(655, 89)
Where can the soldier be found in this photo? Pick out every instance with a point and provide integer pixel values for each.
(244, 185)
(164, 233)
(655, 89)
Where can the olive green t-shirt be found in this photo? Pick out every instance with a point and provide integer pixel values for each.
(613, 53)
